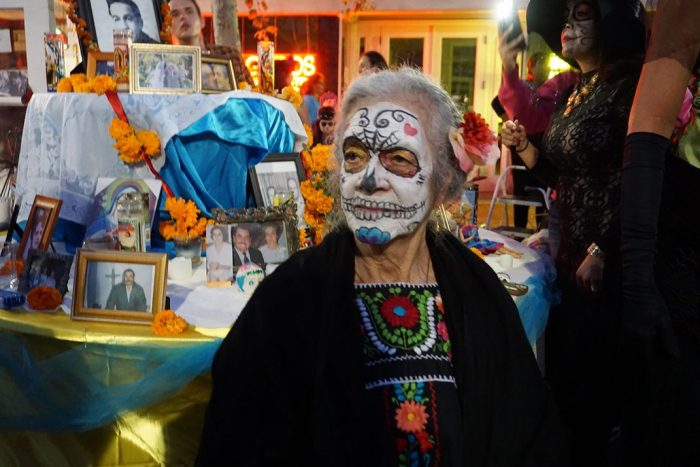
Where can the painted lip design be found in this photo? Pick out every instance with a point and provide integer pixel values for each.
(368, 210)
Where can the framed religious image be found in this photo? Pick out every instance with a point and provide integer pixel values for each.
(263, 236)
(118, 286)
(100, 63)
(40, 225)
(217, 75)
(48, 269)
(164, 69)
(278, 176)
(142, 17)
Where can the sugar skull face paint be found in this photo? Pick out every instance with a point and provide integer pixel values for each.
(385, 173)
(578, 35)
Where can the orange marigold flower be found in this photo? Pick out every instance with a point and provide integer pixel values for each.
(103, 83)
(64, 85)
(44, 298)
(411, 417)
(290, 95)
(83, 88)
(167, 323)
(78, 78)
(119, 128)
(309, 134)
(150, 142)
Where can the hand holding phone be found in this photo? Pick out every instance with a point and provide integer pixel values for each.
(510, 24)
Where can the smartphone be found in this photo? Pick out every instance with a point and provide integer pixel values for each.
(512, 19)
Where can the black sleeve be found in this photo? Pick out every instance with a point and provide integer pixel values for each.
(644, 311)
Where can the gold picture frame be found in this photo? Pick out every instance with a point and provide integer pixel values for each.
(217, 75)
(96, 61)
(40, 225)
(164, 69)
(135, 299)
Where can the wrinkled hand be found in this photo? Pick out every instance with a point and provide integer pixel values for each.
(589, 275)
(513, 134)
(509, 50)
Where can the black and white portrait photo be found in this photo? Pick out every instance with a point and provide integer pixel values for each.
(279, 178)
(119, 286)
(139, 16)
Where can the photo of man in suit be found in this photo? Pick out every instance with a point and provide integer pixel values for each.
(127, 295)
(242, 252)
(126, 15)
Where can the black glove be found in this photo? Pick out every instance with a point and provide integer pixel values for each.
(645, 314)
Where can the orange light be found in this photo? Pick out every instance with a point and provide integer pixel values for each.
(306, 66)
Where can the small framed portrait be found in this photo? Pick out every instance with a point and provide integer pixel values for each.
(164, 69)
(118, 286)
(40, 225)
(142, 17)
(47, 269)
(217, 75)
(100, 63)
(278, 176)
(219, 255)
(263, 236)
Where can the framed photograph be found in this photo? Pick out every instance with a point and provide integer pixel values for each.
(118, 286)
(142, 17)
(164, 69)
(40, 225)
(264, 236)
(217, 75)
(278, 175)
(49, 269)
(100, 63)
(219, 255)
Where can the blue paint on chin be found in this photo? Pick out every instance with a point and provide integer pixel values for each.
(373, 236)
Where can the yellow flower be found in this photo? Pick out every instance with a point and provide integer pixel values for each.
(185, 224)
(119, 128)
(129, 148)
(103, 83)
(309, 135)
(290, 95)
(64, 85)
(321, 158)
(150, 142)
(243, 85)
(78, 78)
(83, 88)
(167, 323)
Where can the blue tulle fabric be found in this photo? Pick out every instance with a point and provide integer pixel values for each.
(534, 306)
(208, 161)
(84, 386)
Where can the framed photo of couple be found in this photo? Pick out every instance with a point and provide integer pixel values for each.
(118, 286)
(164, 69)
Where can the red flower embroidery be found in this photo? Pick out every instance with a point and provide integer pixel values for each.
(424, 442)
(399, 312)
(411, 417)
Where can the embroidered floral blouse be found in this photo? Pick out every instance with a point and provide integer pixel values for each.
(407, 360)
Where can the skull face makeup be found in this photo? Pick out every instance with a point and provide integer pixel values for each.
(385, 173)
(578, 35)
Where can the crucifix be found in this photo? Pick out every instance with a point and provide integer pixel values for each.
(112, 276)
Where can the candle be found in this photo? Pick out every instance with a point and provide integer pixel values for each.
(179, 268)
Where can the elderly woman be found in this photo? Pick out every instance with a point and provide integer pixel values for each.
(387, 344)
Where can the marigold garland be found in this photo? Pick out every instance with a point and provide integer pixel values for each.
(318, 201)
(186, 223)
(167, 323)
(80, 25)
(166, 27)
(130, 142)
(79, 83)
(44, 298)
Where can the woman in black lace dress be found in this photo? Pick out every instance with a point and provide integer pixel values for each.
(581, 156)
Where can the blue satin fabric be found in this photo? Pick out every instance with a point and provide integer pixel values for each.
(208, 161)
(83, 386)
(534, 306)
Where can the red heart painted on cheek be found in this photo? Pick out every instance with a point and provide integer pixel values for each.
(409, 130)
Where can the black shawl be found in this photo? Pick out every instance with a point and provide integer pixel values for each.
(288, 386)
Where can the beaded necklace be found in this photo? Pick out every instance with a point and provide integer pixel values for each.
(579, 94)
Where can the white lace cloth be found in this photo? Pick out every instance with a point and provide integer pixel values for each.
(66, 144)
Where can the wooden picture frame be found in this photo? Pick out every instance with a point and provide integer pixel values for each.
(47, 269)
(100, 23)
(99, 63)
(40, 225)
(95, 299)
(164, 69)
(217, 75)
(283, 217)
